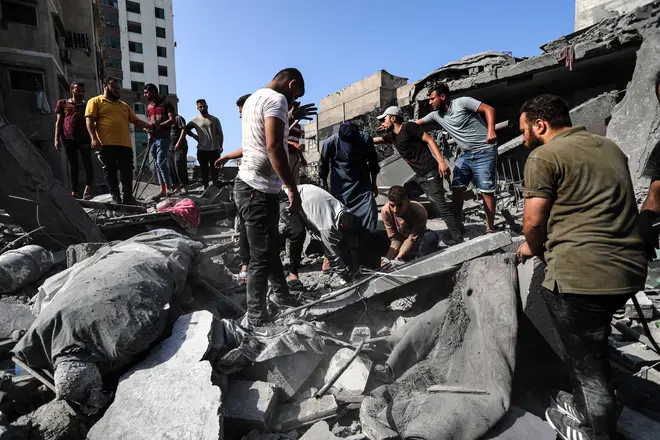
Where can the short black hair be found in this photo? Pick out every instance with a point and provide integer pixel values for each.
(397, 193)
(440, 89)
(108, 80)
(76, 83)
(290, 74)
(549, 108)
(349, 223)
(150, 86)
(199, 101)
(398, 119)
(240, 102)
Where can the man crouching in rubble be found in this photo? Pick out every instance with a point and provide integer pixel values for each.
(580, 215)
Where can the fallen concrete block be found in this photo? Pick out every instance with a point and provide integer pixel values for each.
(320, 431)
(28, 183)
(23, 266)
(249, 405)
(374, 429)
(444, 261)
(635, 426)
(288, 373)
(645, 304)
(169, 395)
(53, 421)
(302, 413)
(79, 252)
(14, 317)
(359, 334)
(354, 379)
(632, 354)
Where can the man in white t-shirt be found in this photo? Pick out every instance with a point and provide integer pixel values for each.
(263, 170)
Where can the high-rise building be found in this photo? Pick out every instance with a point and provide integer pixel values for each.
(589, 12)
(138, 48)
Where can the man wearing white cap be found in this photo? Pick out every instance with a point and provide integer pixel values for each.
(427, 162)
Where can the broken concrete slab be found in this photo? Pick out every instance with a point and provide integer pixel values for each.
(593, 114)
(34, 198)
(635, 426)
(359, 334)
(14, 318)
(52, 421)
(373, 428)
(250, 405)
(288, 373)
(320, 431)
(174, 371)
(644, 303)
(354, 379)
(297, 414)
(79, 252)
(635, 120)
(445, 261)
(632, 354)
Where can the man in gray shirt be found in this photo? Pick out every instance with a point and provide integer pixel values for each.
(209, 141)
(463, 118)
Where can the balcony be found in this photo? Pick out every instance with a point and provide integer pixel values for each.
(114, 73)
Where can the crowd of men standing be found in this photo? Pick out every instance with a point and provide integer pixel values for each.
(580, 216)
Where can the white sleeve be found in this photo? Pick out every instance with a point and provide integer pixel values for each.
(276, 106)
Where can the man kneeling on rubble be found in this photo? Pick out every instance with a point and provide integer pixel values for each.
(405, 223)
(329, 221)
(580, 215)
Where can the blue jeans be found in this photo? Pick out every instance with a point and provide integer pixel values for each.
(160, 149)
(480, 166)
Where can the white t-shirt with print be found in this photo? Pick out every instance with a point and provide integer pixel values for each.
(256, 169)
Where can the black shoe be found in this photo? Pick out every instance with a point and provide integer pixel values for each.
(116, 198)
(130, 200)
(284, 301)
(565, 426)
(565, 403)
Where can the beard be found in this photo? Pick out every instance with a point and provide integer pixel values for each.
(113, 95)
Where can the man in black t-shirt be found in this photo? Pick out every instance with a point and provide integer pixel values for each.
(421, 152)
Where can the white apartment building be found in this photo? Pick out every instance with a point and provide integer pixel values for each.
(141, 52)
(589, 12)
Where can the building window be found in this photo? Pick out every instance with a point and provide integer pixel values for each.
(113, 63)
(133, 7)
(137, 86)
(135, 47)
(162, 70)
(19, 13)
(161, 51)
(77, 40)
(112, 22)
(112, 42)
(134, 27)
(111, 3)
(138, 108)
(26, 80)
(164, 89)
(160, 32)
(137, 67)
(160, 12)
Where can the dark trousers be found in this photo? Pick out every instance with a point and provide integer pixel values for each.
(243, 245)
(115, 159)
(295, 232)
(425, 245)
(260, 211)
(206, 161)
(434, 189)
(178, 161)
(72, 149)
(583, 324)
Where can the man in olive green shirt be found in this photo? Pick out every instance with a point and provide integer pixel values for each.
(581, 216)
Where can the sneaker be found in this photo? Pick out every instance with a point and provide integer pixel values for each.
(116, 199)
(566, 427)
(284, 301)
(565, 403)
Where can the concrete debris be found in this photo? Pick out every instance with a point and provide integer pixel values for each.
(373, 428)
(143, 408)
(398, 324)
(250, 405)
(635, 426)
(81, 382)
(320, 431)
(645, 304)
(354, 379)
(79, 252)
(403, 304)
(52, 421)
(23, 266)
(631, 354)
(359, 334)
(13, 318)
(297, 414)
(288, 373)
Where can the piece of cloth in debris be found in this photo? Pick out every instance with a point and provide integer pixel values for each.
(234, 348)
(110, 307)
(567, 55)
(185, 212)
(467, 340)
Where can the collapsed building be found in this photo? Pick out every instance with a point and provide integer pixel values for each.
(122, 321)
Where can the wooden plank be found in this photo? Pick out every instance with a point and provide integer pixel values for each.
(42, 199)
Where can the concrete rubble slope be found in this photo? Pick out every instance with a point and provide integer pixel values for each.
(169, 395)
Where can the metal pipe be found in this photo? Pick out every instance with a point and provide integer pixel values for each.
(339, 372)
(34, 374)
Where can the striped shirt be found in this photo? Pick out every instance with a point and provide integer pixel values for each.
(256, 169)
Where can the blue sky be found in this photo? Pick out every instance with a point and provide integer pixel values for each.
(228, 48)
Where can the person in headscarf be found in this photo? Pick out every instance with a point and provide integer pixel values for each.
(350, 158)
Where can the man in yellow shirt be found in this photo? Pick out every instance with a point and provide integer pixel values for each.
(108, 121)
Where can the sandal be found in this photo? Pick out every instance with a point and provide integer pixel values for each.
(295, 285)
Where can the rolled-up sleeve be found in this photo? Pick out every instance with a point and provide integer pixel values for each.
(540, 178)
